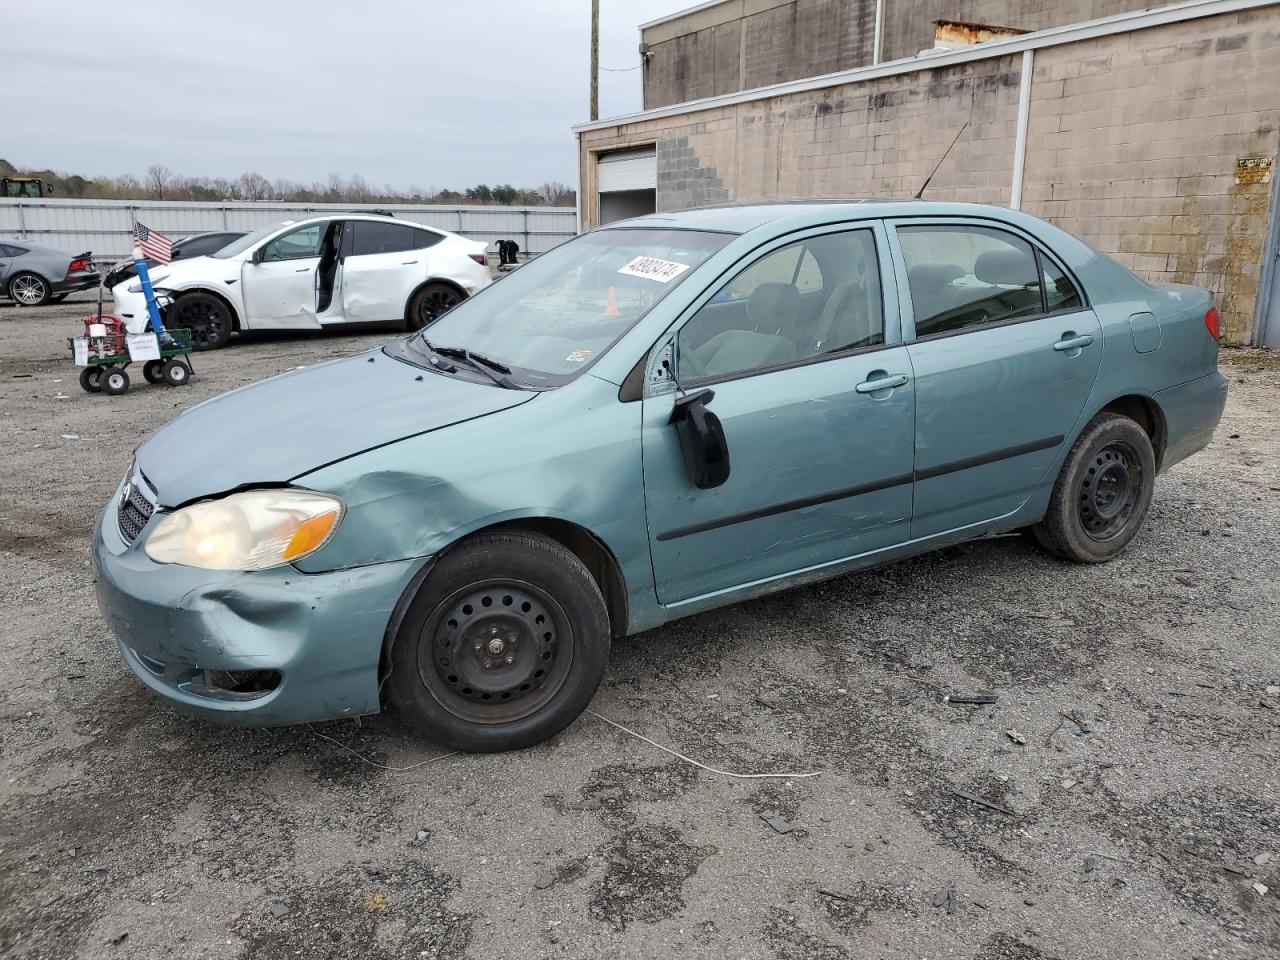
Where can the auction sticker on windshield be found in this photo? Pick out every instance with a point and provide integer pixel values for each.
(651, 268)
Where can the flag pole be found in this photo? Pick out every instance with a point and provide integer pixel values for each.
(144, 275)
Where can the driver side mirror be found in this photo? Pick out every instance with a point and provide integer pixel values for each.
(702, 439)
(260, 254)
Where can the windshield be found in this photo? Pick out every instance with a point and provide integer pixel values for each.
(248, 240)
(549, 320)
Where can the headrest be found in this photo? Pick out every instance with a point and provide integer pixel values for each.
(934, 276)
(773, 304)
(1006, 268)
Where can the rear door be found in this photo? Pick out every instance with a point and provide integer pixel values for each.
(1004, 351)
(818, 411)
(386, 261)
(280, 288)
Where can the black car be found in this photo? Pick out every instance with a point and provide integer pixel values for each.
(196, 245)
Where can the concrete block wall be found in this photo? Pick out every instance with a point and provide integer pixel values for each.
(744, 44)
(880, 138)
(1133, 143)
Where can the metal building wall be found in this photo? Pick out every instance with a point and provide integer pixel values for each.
(106, 226)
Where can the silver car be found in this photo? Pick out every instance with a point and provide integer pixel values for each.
(32, 275)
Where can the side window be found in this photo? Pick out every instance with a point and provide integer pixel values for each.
(425, 238)
(967, 276)
(375, 237)
(807, 299)
(297, 244)
(1059, 292)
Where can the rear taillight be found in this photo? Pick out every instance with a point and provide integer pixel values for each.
(480, 258)
(81, 264)
(1213, 323)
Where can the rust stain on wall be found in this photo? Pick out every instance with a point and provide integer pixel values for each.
(1246, 233)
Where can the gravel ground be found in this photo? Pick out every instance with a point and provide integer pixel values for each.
(1140, 818)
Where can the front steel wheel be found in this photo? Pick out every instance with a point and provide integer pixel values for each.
(503, 645)
(1101, 497)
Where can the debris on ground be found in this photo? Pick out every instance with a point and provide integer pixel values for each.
(946, 897)
(1016, 737)
(779, 823)
(980, 698)
(980, 801)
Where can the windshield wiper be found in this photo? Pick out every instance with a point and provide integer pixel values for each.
(495, 371)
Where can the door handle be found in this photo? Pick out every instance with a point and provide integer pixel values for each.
(302, 270)
(883, 383)
(1070, 342)
(407, 263)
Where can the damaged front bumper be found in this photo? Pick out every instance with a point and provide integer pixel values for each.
(267, 648)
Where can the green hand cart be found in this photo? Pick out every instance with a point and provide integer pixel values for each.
(104, 354)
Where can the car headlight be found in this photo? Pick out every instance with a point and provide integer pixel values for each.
(136, 286)
(247, 531)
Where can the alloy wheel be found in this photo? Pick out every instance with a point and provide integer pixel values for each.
(435, 303)
(28, 290)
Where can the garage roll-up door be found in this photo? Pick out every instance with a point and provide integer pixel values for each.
(627, 170)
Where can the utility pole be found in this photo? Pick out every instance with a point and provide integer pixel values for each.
(595, 59)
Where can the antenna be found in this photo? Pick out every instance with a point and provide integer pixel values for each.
(945, 153)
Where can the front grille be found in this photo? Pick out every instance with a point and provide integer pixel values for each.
(135, 509)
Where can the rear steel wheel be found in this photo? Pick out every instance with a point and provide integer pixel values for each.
(1100, 499)
(1109, 490)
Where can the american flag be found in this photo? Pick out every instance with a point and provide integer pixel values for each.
(155, 245)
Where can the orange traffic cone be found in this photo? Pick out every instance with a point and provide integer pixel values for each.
(611, 310)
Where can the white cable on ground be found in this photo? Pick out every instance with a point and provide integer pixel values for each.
(374, 763)
(703, 766)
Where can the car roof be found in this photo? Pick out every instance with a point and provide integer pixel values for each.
(796, 214)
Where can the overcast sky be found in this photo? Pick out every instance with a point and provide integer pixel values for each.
(427, 93)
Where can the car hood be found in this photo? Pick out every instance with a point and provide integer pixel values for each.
(275, 430)
(179, 272)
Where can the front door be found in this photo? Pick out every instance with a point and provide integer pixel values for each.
(817, 402)
(1005, 352)
(280, 283)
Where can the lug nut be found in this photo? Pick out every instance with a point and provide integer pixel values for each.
(511, 659)
(495, 646)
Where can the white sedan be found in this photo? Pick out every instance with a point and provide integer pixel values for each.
(309, 274)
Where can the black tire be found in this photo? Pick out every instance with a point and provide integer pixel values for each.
(114, 382)
(91, 379)
(1102, 495)
(206, 316)
(153, 371)
(503, 645)
(176, 373)
(431, 303)
(29, 289)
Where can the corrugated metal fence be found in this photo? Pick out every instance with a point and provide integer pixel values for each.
(106, 226)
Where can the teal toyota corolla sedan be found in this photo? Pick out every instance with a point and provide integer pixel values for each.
(657, 418)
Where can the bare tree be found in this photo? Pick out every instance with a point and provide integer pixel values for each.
(254, 186)
(158, 178)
